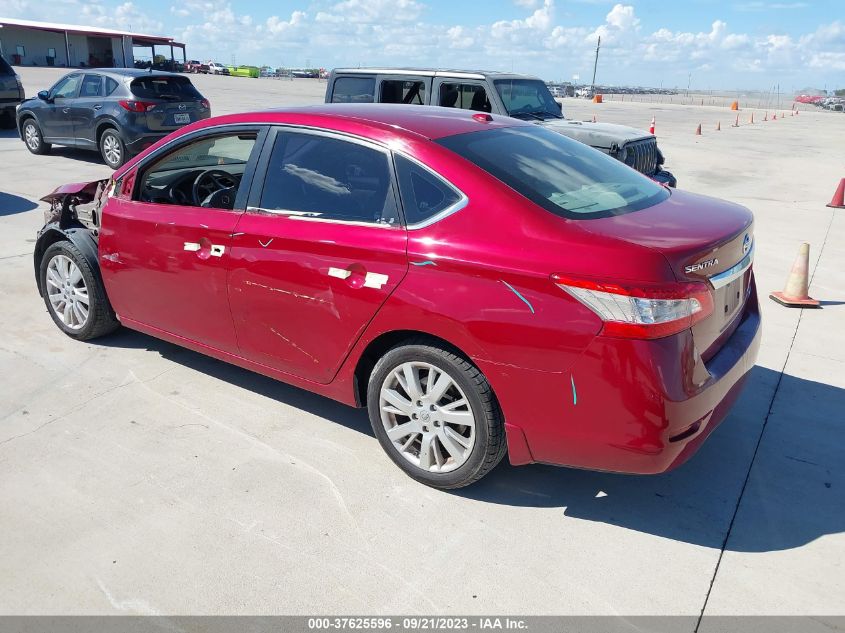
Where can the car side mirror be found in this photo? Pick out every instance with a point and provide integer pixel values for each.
(44, 96)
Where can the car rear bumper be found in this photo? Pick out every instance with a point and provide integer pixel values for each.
(630, 406)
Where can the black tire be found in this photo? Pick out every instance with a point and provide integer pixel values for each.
(112, 148)
(101, 319)
(490, 445)
(36, 144)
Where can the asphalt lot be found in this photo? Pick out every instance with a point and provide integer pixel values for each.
(139, 477)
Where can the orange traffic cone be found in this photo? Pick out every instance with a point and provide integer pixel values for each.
(735, 105)
(795, 295)
(718, 125)
(838, 200)
(698, 130)
(651, 128)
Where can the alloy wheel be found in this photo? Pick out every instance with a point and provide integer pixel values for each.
(111, 149)
(31, 136)
(427, 417)
(67, 292)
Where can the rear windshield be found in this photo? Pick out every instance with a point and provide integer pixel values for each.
(561, 175)
(169, 88)
(5, 69)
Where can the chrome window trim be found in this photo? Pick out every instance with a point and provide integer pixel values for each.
(406, 71)
(463, 199)
(734, 272)
(312, 216)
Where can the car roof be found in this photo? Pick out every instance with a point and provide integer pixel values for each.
(126, 72)
(430, 122)
(433, 72)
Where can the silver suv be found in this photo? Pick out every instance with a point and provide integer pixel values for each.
(519, 96)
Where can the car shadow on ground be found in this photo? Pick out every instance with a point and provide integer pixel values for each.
(791, 499)
(74, 153)
(11, 204)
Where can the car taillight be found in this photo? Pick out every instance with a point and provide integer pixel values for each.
(205, 104)
(644, 311)
(137, 106)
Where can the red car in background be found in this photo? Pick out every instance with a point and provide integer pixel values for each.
(196, 66)
(481, 284)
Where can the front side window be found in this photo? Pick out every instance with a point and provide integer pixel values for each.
(527, 99)
(204, 173)
(423, 194)
(66, 88)
(561, 175)
(354, 90)
(328, 178)
(464, 96)
(401, 91)
(92, 86)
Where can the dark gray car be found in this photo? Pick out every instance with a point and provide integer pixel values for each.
(118, 112)
(11, 94)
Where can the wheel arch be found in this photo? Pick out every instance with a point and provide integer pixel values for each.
(105, 124)
(79, 236)
(379, 346)
(21, 119)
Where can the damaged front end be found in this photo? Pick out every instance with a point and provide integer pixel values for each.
(77, 203)
(74, 215)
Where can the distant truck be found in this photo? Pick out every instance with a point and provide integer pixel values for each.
(508, 94)
(196, 66)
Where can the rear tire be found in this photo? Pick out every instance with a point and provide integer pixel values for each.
(33, 139)
(443, 425)
(112, 149)
(74, 294)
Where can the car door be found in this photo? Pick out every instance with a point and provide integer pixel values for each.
(164, 254)
(467, 94)
(318, 251)
(55, 118)
(85, 108)
(404, 89)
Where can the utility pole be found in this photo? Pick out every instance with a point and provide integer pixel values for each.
(595, 66)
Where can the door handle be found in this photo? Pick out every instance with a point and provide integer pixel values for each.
(361, 278)
(65, 110)
(97, 107)
(216, 250)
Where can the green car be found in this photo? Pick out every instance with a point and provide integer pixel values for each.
(244, 71)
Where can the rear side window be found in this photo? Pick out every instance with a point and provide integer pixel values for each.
(92, 86)
(170, 88)
(354, 90)
(111, 85)
(464, 96)
(424, 195)
(5, 69)
(401, 91)
(328, 178)
(561, 175)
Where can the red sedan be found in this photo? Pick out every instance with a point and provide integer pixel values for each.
(482, 285)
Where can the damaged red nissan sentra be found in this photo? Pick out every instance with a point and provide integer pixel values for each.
(482, 285)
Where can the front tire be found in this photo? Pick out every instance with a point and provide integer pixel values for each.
(73, 294)
(435, 415)
(112, 149)
(33, 139)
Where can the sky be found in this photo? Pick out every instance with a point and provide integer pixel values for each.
(710, 44)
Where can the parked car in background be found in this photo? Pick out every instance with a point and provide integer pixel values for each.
(519, 96)
(118, 112)
(481, 284)
(245, 71)
(11, 94)
(557, 92)
(195, 66)
(216, 68)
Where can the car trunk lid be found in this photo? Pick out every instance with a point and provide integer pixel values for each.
(702, 239)
(174, 101)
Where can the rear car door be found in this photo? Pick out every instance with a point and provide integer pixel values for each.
(318, 251)
(85, 108)
(164, 252)
(55, 118)
(466, 94)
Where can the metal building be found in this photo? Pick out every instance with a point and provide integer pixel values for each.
(31, 43)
